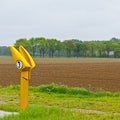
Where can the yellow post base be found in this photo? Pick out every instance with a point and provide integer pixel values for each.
(24, 90)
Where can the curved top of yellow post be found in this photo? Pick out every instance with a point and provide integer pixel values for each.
(23, 56)
(27, 56)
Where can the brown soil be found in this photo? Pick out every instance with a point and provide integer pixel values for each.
(94, 76)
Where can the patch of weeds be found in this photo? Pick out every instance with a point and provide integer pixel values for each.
(77, 92)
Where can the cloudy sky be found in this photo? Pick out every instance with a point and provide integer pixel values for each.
(60, 19)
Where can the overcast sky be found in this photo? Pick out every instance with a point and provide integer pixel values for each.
(60, 19)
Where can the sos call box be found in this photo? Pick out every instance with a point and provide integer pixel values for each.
(25, 64)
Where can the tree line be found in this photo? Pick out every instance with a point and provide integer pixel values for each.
(44, 47)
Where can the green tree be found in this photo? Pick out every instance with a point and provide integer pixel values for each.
(84, 48)
(69, 46)
(77, 47)
(60, 48)
(108, 47)
(100, 48)
(92, 48)
(53, 45)
(116, 49)
(24, 42)
(33, 45)
(115, 39)
(41, 45)
(4, 50)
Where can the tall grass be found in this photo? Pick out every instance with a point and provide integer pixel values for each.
(62, 89)
(78, 92)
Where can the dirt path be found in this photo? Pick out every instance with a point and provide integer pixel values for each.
(84, 110)
(93, 111)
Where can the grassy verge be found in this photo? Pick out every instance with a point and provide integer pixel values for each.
(54, 102)
(62, 96)
(53, 113)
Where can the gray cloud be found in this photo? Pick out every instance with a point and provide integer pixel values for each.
(61, 19)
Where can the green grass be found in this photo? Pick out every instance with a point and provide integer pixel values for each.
(53, 113)
(53, 102)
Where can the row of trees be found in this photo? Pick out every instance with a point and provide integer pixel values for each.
(70, 48)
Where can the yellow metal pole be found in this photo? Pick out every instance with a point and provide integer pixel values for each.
(24, 90)
(25, 64)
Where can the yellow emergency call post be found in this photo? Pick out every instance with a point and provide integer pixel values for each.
(25, 64)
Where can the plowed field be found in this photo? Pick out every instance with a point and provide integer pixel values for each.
(93, 74)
